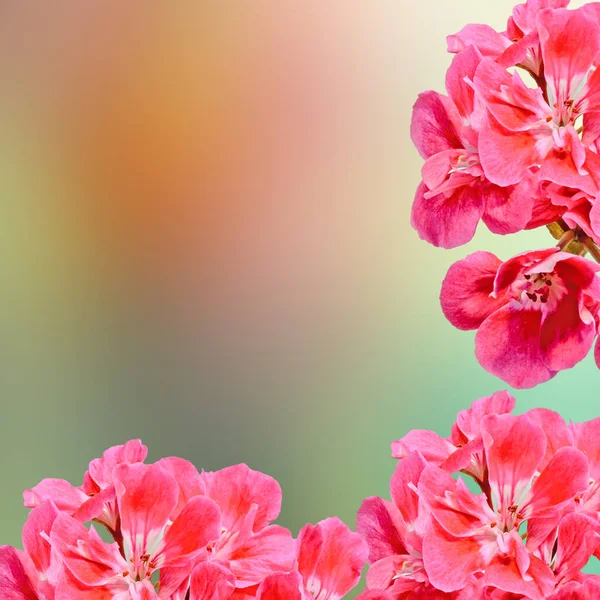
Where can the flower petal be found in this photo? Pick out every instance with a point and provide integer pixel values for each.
(508, 345)
(331, 558)
(447, 221)
(466, 290)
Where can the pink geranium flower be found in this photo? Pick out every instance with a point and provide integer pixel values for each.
(150, 539)
(528, 127)
(455, 193)
(472, 533)
(536, 314)
(177, 534)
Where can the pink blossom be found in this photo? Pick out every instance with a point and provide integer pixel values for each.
(175, 534)
(249, 501)
(536, 314)
(31, 574)
(455, 193)
(149, 540)
(527, 535)
(484, 530)
(537, 127)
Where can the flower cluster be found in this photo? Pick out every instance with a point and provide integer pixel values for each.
(175, 534)
(526, 533)
(515, 143)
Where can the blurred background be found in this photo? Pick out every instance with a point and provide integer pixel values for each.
(205, 243)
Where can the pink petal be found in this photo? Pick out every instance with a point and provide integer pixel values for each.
(147, 496)
(469, 421)
(591, 121)
(508, 210)
(504, 572)
(455, 509)
(97, 507)
(432, 128)
(566, 60)
(544, 212)
(188, 479)
(586, 436)
(525, 14)
(143, 590)
(380, 524)
(466, 290)
(374, 595)
(269, 551)
(100, 470)
(515, 106)
(589, 590)
(331, 558)
(565, 476)
(520, 53)
(565, 339)
(91, 561)
(235, 489)
(578, 538)
(280, 586)
(447, 221)
(198, 523)
(461, 93)
(211, 582)
(428, 443)
(14, 583)
(506, 156)
(383, 575)
(408, 471)
(488, 41)
(450, 561)
(564, 166)
(557, 431)
(522, 263)
(508, 345)
(65, 496)
(514, 448)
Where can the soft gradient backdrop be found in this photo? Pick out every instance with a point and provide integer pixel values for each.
(205, 243)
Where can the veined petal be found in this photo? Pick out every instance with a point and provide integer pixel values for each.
(380, 523)
(514, 448)
(330, 558)
(508, 345)
(487, 40)
(432, 128)
(147, 497)
(198, 523)
(506, 156)
(14, 582)
(450, 561)
(567, 61)
(466, 295)
(211, 581)
(235, 489)
(447, 221)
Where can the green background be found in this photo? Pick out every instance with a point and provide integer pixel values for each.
(287, 316)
